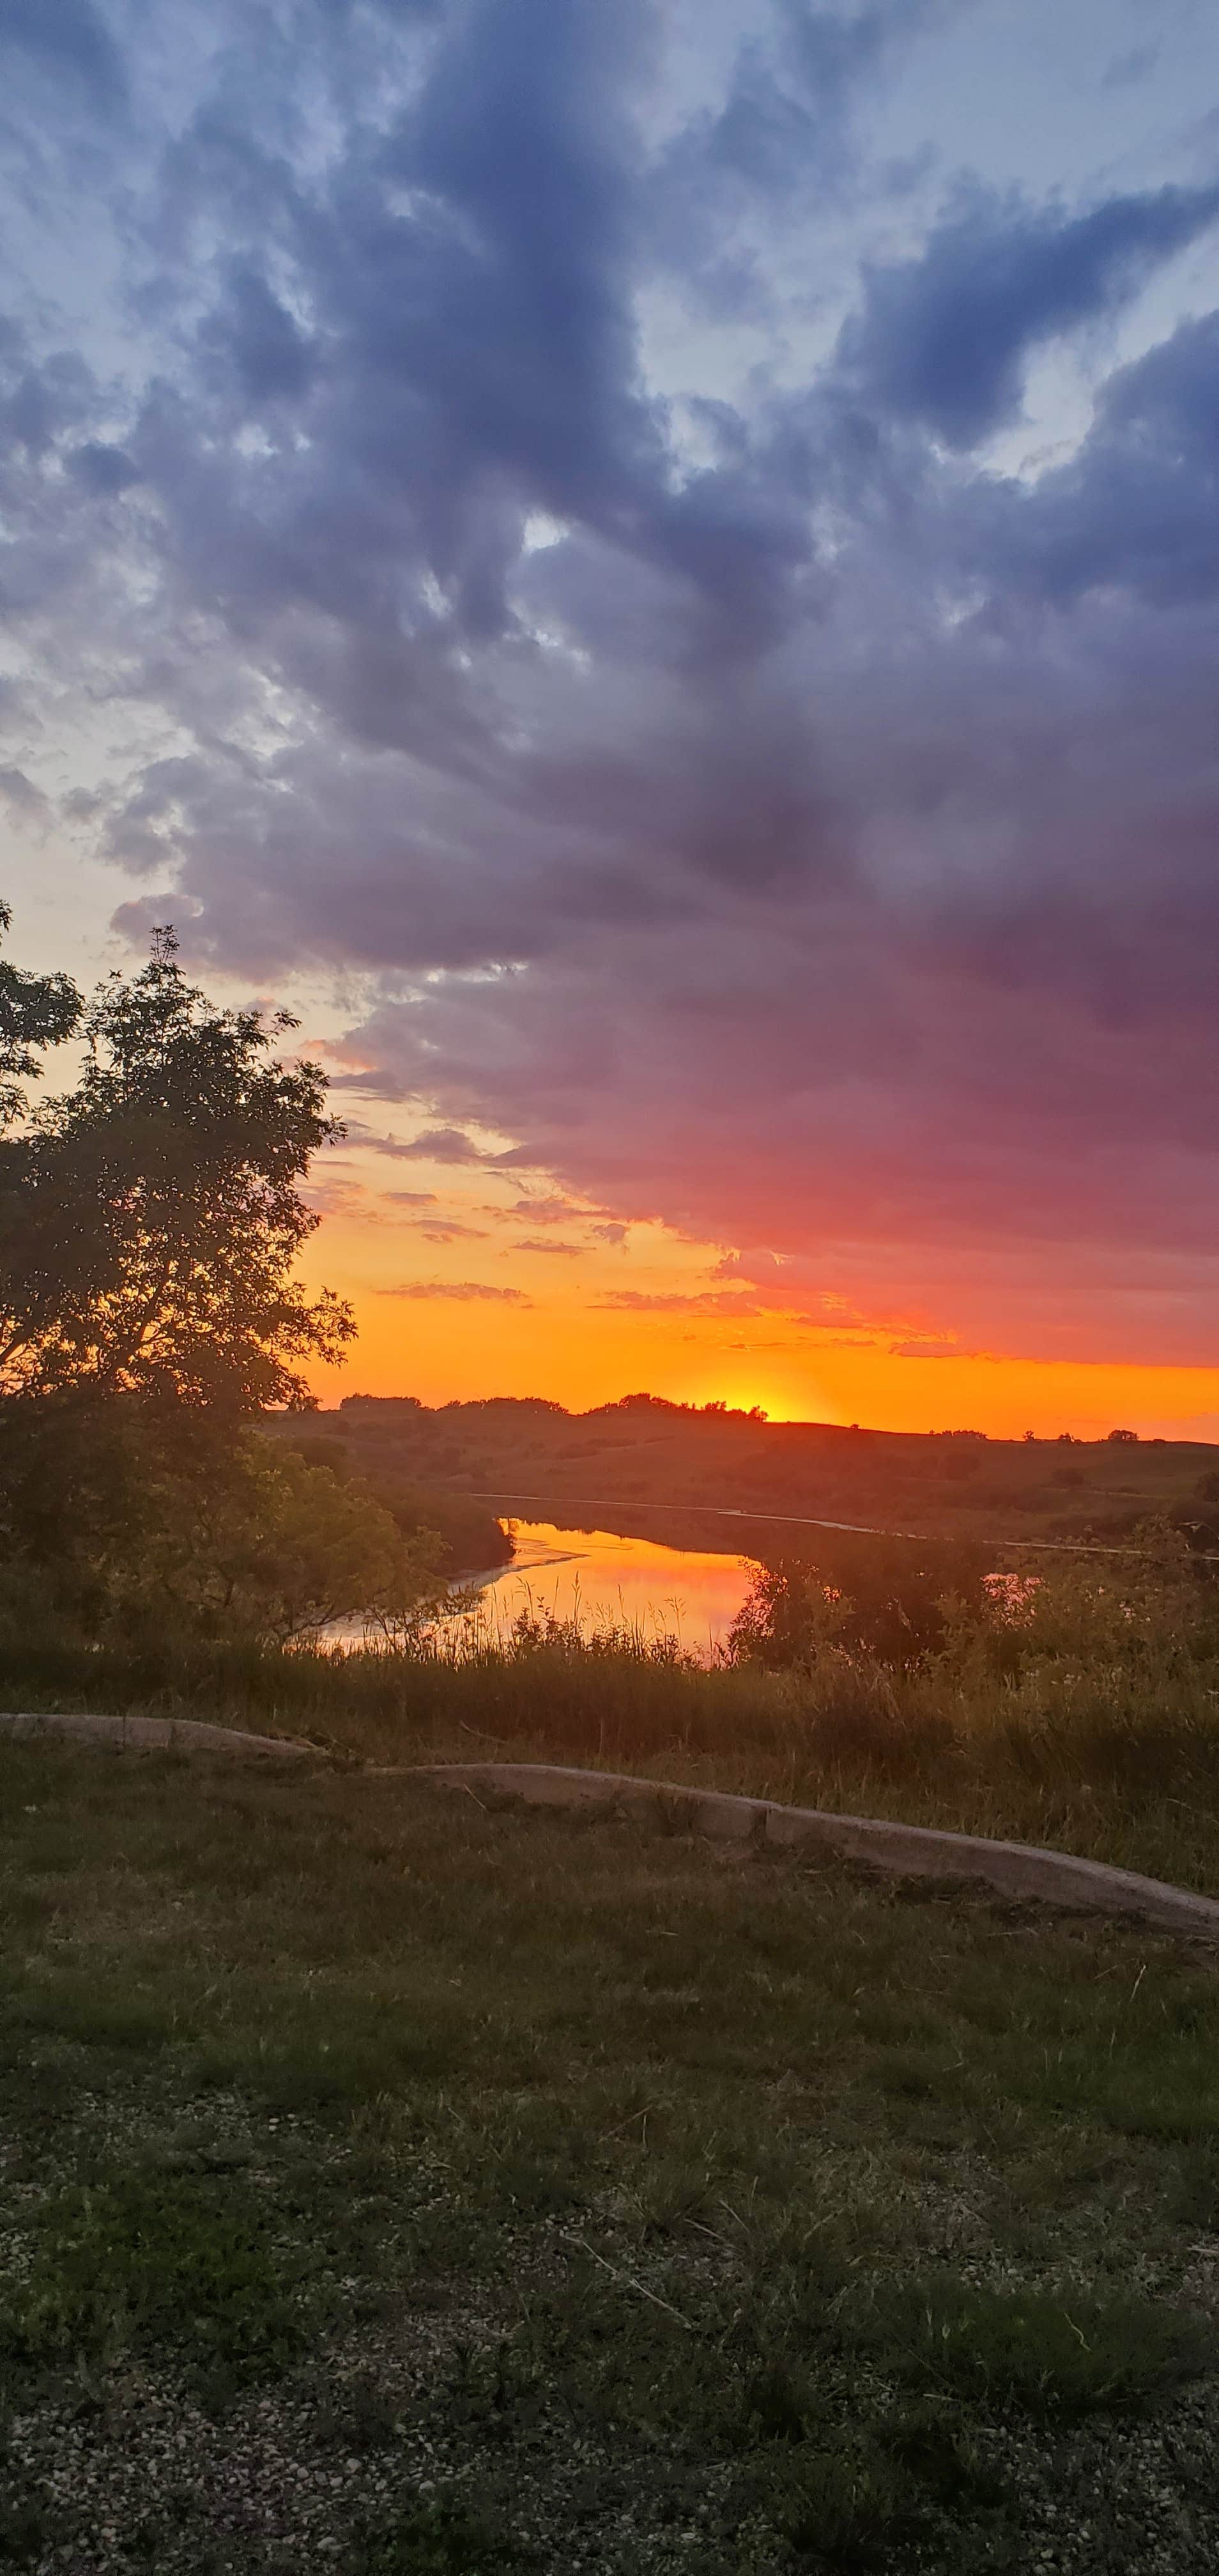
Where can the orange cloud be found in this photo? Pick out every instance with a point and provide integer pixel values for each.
(460, 1291)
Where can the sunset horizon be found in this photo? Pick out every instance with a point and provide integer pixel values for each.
(649, 574)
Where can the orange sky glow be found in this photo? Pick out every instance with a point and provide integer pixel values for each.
(470, 1285)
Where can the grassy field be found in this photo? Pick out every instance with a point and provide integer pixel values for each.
(396, 2185)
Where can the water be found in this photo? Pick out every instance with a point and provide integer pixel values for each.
(599, 1580)
(596, 1577)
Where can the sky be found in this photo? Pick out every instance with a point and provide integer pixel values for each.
(653, 571)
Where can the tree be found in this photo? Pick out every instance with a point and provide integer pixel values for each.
(35, 1011)
(150, 1219)
(266, 1545)
(128, 1520)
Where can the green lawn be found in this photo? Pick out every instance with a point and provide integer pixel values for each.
(395, 2184)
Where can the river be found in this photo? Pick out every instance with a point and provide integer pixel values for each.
(597, 1577)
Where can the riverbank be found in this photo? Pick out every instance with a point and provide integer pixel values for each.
(442, 2190)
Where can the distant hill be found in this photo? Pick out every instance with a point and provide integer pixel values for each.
(631, 1462)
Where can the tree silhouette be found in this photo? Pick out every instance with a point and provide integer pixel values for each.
(150, 1218)
(35, 1011)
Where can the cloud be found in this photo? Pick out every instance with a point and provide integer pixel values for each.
(1135, 65)
(783, 133)
(24, 797)
(942, 339)
(754, 1266)
(330, 1195)
(256, 346)
(462, 1292)
(641, 1301)
(926, 1347)
(544, 1211)
(68, 40)
(103, 471)
(538, 1243)
(437, 1145)
(1129, 510)
(474, 566)
(446, 1230)
(394, 1148)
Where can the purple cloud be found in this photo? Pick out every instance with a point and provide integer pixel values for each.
(697, 765)
(942, 339)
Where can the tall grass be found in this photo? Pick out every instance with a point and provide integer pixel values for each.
(1078, 1708)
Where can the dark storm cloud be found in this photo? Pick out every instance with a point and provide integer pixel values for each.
(780, 825)
(942, 339)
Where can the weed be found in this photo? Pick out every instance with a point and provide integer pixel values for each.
(838, 2505)
(150, 2258)
(1023, 2348)
(780, 2402)
(942, 2458)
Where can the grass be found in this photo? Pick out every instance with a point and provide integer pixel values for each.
(471, 2190)
(1104, 1747)
(149, 2258)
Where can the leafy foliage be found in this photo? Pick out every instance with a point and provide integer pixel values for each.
(149, 1219)
(471, 1536)
(35, 1011)
(122, 1518)
(884, 1598)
